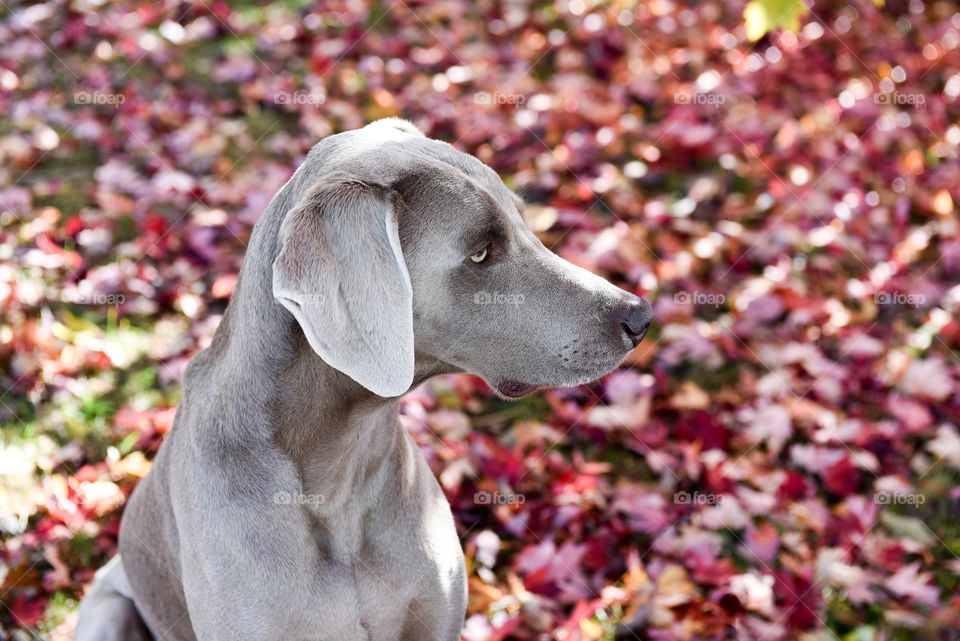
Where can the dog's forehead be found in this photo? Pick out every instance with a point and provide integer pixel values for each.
(391, 149)
(467, 181)
(448, 192)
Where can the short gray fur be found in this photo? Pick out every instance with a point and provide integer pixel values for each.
(287, 502)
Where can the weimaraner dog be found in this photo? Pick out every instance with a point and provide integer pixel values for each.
(288, 503)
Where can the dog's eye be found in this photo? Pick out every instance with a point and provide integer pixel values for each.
(480, 256)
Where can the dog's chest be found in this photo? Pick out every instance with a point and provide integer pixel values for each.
(404, 580)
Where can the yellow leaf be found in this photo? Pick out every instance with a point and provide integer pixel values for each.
(134, 464)
(690, 397)
(762, 16)
(590, 629)
(943, 203)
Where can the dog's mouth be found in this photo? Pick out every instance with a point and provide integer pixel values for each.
(515, 389)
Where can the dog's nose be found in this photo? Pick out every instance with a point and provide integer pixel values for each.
(637, 321)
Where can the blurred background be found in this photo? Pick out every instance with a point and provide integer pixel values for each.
(779, 460)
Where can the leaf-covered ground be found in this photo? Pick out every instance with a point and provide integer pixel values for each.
(779, 460)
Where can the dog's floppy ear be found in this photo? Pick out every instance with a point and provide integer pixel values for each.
(340, 272)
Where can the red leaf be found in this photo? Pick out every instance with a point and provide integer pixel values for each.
(28, 610)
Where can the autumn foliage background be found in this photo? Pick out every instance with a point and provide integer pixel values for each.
(779, 460)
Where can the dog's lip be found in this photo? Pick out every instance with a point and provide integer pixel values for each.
(515, 389)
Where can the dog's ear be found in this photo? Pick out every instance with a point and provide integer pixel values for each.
(341, 273)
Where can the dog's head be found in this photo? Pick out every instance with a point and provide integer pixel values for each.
(404, 250)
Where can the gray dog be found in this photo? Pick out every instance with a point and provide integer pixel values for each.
(287, 502)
